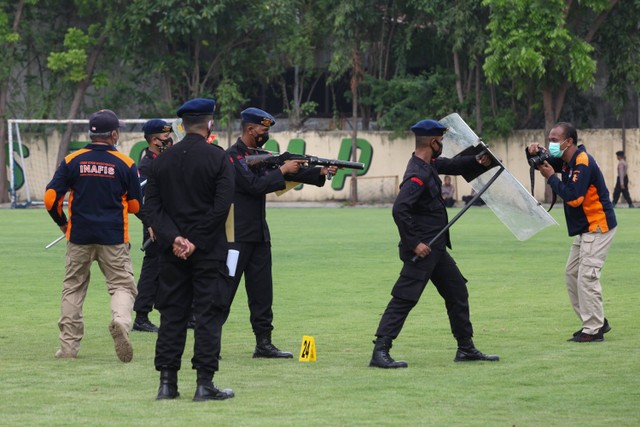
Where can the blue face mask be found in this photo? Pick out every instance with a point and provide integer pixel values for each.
(554, 149)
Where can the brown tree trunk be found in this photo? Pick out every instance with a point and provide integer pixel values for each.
(478, 99)
(81, 88)
(4, 175)
(456, 67)
(4, 95)
(549, 121)
(355, 81)
(549, 110)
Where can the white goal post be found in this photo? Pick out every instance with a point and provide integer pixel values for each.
(21, 193)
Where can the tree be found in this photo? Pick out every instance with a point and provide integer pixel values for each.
(78, 64)
(619, 46)
(229, 99)
(462, 31)
(352, 23)
(9, 44)
(544, 43)
(300, 33)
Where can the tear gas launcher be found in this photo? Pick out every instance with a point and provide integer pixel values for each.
(275, 160)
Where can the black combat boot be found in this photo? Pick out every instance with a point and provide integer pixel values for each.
(381, 357)
(467, 352)
(265, 349)
(205, 389)
(168, 385)
(143, 324)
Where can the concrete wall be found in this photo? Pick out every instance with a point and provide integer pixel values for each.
(386, 160)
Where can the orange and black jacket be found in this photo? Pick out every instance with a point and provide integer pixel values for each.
(585, 196)
(104, 188)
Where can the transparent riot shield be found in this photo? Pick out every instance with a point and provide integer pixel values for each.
(523, 215)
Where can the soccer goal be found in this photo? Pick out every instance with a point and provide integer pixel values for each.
(32, 159)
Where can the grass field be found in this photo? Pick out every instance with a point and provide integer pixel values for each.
(333, 271)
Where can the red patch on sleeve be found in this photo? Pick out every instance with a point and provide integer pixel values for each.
(418, 181)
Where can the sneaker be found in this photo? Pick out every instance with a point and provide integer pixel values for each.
(582, 337)
(605, 328)
(144, 325)
(123, 347)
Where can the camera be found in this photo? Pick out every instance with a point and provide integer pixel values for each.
(539, 158)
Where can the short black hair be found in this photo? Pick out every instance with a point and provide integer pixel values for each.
(568, 130)
(197, 121)
(423, 141)
(620, 153)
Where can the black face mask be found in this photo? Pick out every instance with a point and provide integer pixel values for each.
(437, 154)
(166, 143)
(262, 138)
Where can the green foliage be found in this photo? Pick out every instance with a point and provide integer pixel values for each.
(618, 45)
(500, 124)
(73, 61)
(535, 41)
(160, 52)
(354, 23)
(229, 99)
(402, 101)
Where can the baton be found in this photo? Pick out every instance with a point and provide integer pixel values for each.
(463, 210)
(55, 241)
(146, 244)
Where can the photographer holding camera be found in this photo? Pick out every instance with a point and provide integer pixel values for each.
(590, 219)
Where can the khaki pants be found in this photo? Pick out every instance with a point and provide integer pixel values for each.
(586, 258)
(115, 264)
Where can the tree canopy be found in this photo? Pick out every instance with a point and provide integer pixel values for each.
(502, 64)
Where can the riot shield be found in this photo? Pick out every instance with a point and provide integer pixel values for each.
(178, 129)
(523, 215)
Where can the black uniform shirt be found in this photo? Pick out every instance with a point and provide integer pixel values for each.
(419, 211)
(144, 168)
(252, 186)
(189, 192)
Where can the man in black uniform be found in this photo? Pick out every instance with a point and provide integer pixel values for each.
(157, 132)
(187, 201)
(419, 213)
(252, 237)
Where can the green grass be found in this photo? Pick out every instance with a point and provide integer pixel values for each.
(333, 271)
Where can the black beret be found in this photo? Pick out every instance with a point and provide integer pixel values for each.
(428, 128)
(258, 116)
(197, 107)
(156, 126)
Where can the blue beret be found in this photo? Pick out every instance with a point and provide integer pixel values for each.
(156, 126)
(258, 116)
(428, 128)
(197, 107)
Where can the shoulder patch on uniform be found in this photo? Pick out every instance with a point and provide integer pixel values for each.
(575, 176)
(417, 181)
(582, 159)
(242, 162)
